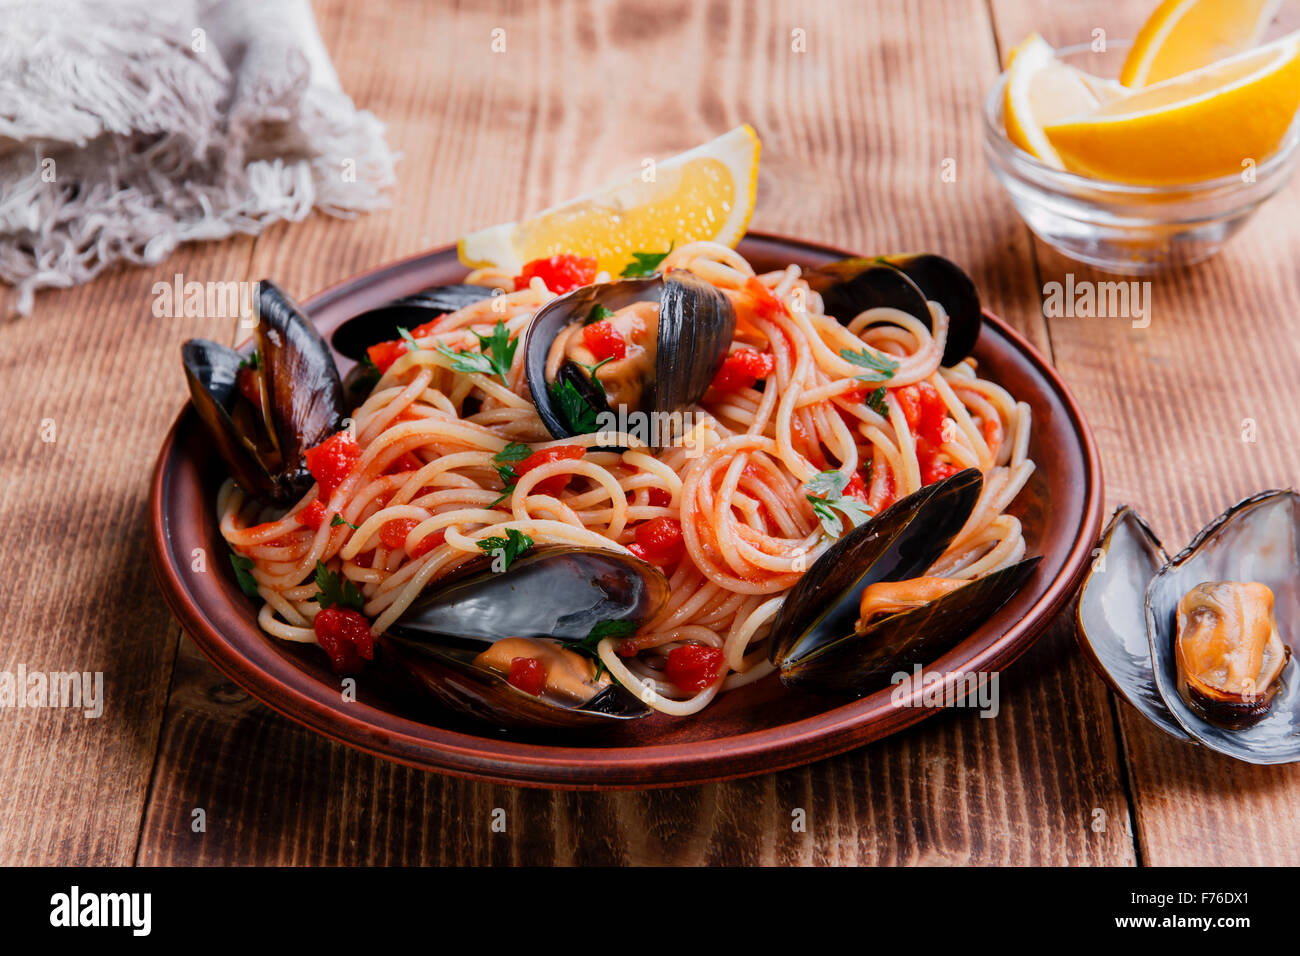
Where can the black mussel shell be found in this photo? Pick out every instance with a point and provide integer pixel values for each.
(904, 282)
(302, 399)
(358, 333)
(899, 543)
(867, 660)
(1111, 616)
(558, 592)
(696, 326)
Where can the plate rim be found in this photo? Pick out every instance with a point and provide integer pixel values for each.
(653, 766)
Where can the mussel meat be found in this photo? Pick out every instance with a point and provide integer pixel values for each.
(849, 287)
(264, 410)
(1228, 651)
(463, 638)
(676, 331)
(864, 610)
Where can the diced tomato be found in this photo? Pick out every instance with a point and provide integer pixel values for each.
(659, 541)
(766, 305)
(430, 541)
(660, 498)
(527, 674)
(332, 461)
(393, 533)
(384, 354)
(604, 341)
(246, 379)
(742, 368)
(403, 462)
(550, 486)
(562, 273)
(694, 667)
(313, 515)
(856, 487)
(346, 637)
(924, 409)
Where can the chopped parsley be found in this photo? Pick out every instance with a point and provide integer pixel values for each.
(509, 548)
(645, 263)
(369, 375)
(243, 566)
(876, 402)
(336, 590)
(515, 451)
(338, 519)
(254, 361)
(598, 313)
(497, 353)
(877, 362)
(603, 629)
(827, 496)
(576, 410)
(411, 344)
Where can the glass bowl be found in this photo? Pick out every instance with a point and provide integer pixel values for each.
(1134, 230)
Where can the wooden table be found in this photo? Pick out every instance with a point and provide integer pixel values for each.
(856, 134)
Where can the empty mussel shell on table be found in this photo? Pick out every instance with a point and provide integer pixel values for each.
(1248, 559)
(850, 287)
(678, 330)
(264, 410)
(827, 639)
(459, 638)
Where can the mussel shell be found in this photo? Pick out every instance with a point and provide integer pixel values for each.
(358, 333)
(696, 326)
(1112, 616)
(551, 591)
(905, 282)
(1258, 539)
(869, 659)
(899, 543)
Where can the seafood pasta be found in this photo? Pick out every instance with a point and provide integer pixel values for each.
(806, 425)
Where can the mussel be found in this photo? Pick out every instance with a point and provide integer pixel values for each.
(264, 410)
(904, 282)
(864, 610)
(1206, 618)
(462, 636)
(677, 330)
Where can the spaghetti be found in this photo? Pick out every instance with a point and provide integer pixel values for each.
(423, 485)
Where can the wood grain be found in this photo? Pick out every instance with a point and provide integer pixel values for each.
(1170, 405)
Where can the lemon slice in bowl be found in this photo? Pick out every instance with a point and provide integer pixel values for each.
(1186, 35)
(1040, 90)
(1195, 127)
(705, 193)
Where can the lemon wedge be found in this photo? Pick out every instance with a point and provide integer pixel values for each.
(1186, 35)
(1040, 90)
(1194, 127)
(704, 193)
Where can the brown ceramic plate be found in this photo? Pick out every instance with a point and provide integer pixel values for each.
(758, 728)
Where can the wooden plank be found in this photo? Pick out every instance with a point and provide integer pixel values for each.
(98, 367)
(1170, 404)
(856, 132)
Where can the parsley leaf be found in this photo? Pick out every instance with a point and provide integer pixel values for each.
(645, 264)
(497, 353)
(336, 590)
(515, 451)
(603, 629)
(876, 402)
(577, 411)
(510, 547)
(827, 496)
(254, 361)
(598, 313)
(411, 344)
(883, 365)
(338, 519)
(242, 566)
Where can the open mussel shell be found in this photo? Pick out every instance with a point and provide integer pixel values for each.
(301, 398)
(1258, 539)
(899, 543)
(358, 333)
(873, 657)
(1112, 616)
(850, 287)
(555, 592)
(694, 332)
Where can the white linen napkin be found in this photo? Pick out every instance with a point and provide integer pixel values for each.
(129, 127)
